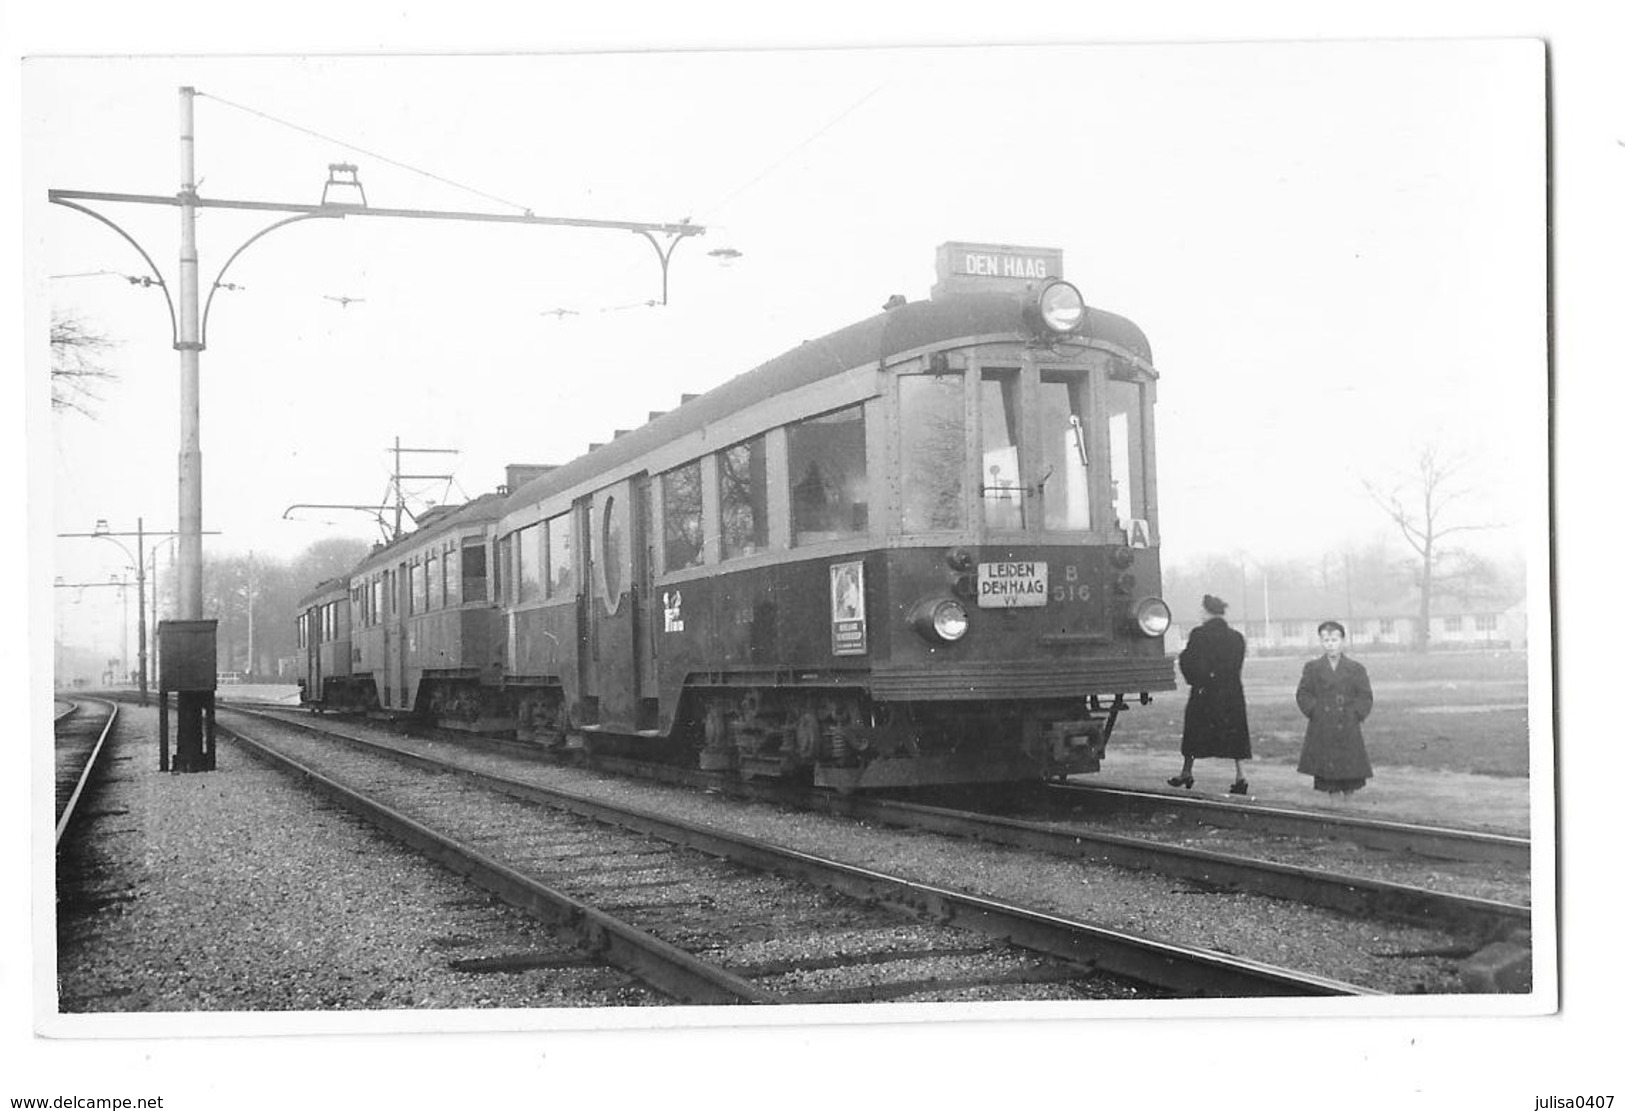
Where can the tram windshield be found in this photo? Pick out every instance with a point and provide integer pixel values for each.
(1003, 494)
(1054, 450)
(1125, 427)
(1063, 414)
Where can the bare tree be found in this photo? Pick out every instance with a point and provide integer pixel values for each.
(1422, 506)
(77, 368)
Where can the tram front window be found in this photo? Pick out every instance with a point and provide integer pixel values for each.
(1002, 491)
(1062, 413)
(1126, 450)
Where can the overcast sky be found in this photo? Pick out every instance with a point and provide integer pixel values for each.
(1337, 252)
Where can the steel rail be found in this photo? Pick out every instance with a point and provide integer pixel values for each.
(1172, 967)
(658, 963)
(1349, 894)
(70, 809)
(1356, 895)
(1425, 840)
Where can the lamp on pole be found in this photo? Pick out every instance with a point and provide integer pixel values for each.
(102, 532)
(121, 583)
(138, 565)
(140, 560)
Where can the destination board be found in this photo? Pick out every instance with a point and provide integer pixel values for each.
(1012, 584)
(993, 265)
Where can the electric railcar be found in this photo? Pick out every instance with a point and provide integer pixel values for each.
(919, 550)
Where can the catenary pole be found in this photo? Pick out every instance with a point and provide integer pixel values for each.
(191, 706)
(190, 517)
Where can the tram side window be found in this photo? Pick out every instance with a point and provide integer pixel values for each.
(417, 589)
(473, 579)
(932, 421)
(744, 498)
(454, 574)
(1126, 452)
(435, 575)
(528, 555)
(508, 573)
(561, 578)
(829, 479)
(683, 520)
(377, 599)
(1063, 410)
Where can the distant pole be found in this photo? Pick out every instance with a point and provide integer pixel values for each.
(250, 674)
(1348, 594)
(124, 629)
(141, 606)
(1266, 575)
(400, 498)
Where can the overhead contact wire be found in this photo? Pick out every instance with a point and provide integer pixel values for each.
(369, 153)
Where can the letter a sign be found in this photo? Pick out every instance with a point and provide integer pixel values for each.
(1139, 533)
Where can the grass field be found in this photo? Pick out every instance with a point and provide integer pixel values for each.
(1450, 711)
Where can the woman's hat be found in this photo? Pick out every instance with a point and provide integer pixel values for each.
(1215, 606)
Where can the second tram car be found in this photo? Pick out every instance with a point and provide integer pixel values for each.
(919, 550)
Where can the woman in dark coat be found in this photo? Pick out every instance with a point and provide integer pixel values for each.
(1335, 695)
(1216, 712)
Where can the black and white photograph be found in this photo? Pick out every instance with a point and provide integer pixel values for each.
(871, 548)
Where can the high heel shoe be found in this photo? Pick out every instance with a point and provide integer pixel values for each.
(1239, 787)
(1181, 781)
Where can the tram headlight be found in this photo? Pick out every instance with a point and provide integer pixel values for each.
(942, 619)
(1152, 616)
(1058, 308)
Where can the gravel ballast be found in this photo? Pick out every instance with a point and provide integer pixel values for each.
(236, 890)
(1382, 956)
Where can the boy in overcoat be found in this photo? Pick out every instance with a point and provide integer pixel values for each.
(1216, 711)
(1335, 695)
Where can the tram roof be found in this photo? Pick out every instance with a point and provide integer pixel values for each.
(323, 591)
(907, 327)
(446, 519)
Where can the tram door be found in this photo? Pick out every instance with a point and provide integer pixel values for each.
(395, 639)
(314, 629)
(615, 663)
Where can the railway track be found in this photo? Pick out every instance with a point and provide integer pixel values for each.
(81, 740)
(712, 916)
(1436, 842)
(1425, 902)
(1350, 894)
